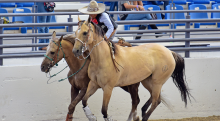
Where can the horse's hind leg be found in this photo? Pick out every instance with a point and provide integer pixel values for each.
(133, 90)
(74, 93)
(147, 84)
(155, 99)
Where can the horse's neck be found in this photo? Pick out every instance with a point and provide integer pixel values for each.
(101, 53)
(73, 62)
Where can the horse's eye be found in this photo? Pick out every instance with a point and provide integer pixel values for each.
(84, 33)
(52, 53)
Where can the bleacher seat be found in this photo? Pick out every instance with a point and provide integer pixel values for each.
(216, 14)
(181, 2)
(149, 3)
(155, 8)
(199, 15)
(2, 10)
(127, 27)
(29, 4)
(25, 19)
(176, 15)
(7, 4)
(201, 1)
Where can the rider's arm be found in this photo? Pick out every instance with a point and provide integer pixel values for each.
(106, 20)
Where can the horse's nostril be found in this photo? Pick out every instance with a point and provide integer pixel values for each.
(77, 51)
(42, 67)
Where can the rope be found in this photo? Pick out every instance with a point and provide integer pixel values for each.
(73, 73)
(68, 76)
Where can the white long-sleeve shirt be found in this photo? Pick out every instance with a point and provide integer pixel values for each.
(104, 18)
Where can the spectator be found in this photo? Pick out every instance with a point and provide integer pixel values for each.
(137, 3)
(43, 19)
(112, 7)
(165, 3)
(156, 3)
(126, 5)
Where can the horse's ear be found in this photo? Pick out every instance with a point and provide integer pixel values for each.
(88, 21)
(90, 26)
(79, 18)
(61, 38)
(53, 35)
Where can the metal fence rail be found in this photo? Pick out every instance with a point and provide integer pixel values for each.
(70, 24)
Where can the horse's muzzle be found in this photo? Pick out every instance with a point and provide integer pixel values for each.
(77, 52)
(45, 68)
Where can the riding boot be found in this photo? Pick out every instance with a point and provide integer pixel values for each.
(153, 26)
(142, 27)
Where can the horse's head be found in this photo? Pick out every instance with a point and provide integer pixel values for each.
(53, 55)
(84, 37)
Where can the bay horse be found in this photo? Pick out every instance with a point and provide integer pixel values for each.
(150, 64)
(62, 48)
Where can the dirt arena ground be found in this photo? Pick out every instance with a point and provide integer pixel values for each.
(210, 118)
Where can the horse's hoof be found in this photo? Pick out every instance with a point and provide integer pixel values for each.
(137, 118)
(69, 117)
(93, 119)
(109, 118)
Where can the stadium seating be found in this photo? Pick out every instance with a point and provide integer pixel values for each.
(217, 1)
(149, 3)
(201, 1)
(181, 2)
(7, 4)
(2, 10)
(29, 4)
(176, 15)
(199, 15)
(216, 14)
(25, 19)
(155, 8)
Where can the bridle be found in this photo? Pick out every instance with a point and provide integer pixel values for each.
(84, 47)
(54, 60)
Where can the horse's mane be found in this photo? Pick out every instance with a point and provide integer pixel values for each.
(70, 38)
(99, 31)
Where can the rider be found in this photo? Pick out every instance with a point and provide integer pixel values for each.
(98, 16)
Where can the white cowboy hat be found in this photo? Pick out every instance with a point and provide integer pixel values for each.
(93, 8)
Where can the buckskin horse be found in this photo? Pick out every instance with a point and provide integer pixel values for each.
(150, 64)
(62, 48)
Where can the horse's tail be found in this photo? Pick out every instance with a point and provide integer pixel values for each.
(179, 77)
(166, 101)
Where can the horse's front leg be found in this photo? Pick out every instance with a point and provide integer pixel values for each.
(106, 98)
(92, 87)
(74, 93)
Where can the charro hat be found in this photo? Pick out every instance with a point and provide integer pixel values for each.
(93, 8)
